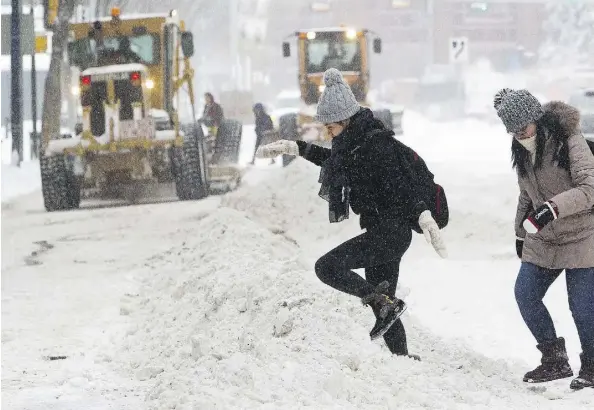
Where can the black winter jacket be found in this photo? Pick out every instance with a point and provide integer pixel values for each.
(378, 172)
(263, 123)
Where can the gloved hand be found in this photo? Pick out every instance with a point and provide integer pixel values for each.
(432, 233)
(519, 247)
(280, 147)
(544, 214)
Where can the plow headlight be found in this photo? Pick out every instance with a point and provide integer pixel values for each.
(351, 34)
(321, 88)
(150, 84)
(311, 35)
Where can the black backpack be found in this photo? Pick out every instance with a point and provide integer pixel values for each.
(431, 192)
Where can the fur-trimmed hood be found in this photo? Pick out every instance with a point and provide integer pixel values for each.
(567, 116)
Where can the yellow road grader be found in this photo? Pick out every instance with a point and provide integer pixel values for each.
(343, 48)
(129, 141)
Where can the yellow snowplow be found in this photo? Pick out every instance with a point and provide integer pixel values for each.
(343, 48)
(129, 140)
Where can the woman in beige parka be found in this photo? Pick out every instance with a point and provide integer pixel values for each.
(554, 225)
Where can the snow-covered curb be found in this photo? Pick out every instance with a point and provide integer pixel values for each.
(18, 181)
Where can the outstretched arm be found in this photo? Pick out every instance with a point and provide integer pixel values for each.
(313, 153)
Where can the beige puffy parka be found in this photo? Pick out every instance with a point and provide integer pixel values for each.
(567, 242)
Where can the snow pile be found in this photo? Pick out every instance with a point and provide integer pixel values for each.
(469, 296)
(287, 202)
(233, 319)
(17, 181)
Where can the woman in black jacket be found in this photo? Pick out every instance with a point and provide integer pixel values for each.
(370, 172)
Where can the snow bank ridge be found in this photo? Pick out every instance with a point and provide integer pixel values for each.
(232, 319)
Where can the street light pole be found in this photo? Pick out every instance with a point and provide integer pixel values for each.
(16, 77)
(34, 94)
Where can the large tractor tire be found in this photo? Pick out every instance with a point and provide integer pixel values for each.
(59, 185)
(288, 130)
(226, 150)
(188, 164)
(385, 116)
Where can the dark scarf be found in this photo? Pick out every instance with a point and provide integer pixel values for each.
(333, 176)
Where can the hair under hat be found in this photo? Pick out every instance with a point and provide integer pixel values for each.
(337, 102)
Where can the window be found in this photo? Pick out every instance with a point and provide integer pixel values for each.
(89, 52)
(333, 49)
(140, 48)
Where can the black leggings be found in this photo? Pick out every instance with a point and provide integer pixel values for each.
(379, 251)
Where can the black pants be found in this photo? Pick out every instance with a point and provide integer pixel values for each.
(379, 251)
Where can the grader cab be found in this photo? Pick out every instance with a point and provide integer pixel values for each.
(343, 48)
(129, 140)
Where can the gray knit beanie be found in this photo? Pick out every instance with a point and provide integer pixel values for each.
(517, 109)
(337, 102)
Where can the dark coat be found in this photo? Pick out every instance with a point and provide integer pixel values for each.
(213, 115)
(263, 123)
(378, 171)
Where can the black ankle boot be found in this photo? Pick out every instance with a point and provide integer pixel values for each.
(388, 310)
(586, 375)
(554, 363)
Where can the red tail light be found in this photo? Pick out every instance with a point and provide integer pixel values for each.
(135, 78)
(85, 83)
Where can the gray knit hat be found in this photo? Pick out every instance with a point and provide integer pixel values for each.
(337, 102)
(517, 109)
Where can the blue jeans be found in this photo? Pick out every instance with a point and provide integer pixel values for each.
(532, 285)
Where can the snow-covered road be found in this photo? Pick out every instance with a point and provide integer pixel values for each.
(214, 304)
(64, 279)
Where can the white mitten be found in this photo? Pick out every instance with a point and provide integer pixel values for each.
(432, 233)
(280, 147)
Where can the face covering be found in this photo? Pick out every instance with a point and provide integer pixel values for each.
(530, 145)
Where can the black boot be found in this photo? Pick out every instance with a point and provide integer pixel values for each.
(586, 376)
(554, 363)
(388, 310)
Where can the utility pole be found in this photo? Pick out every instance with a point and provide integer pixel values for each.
(34, 136)
(16, 77)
